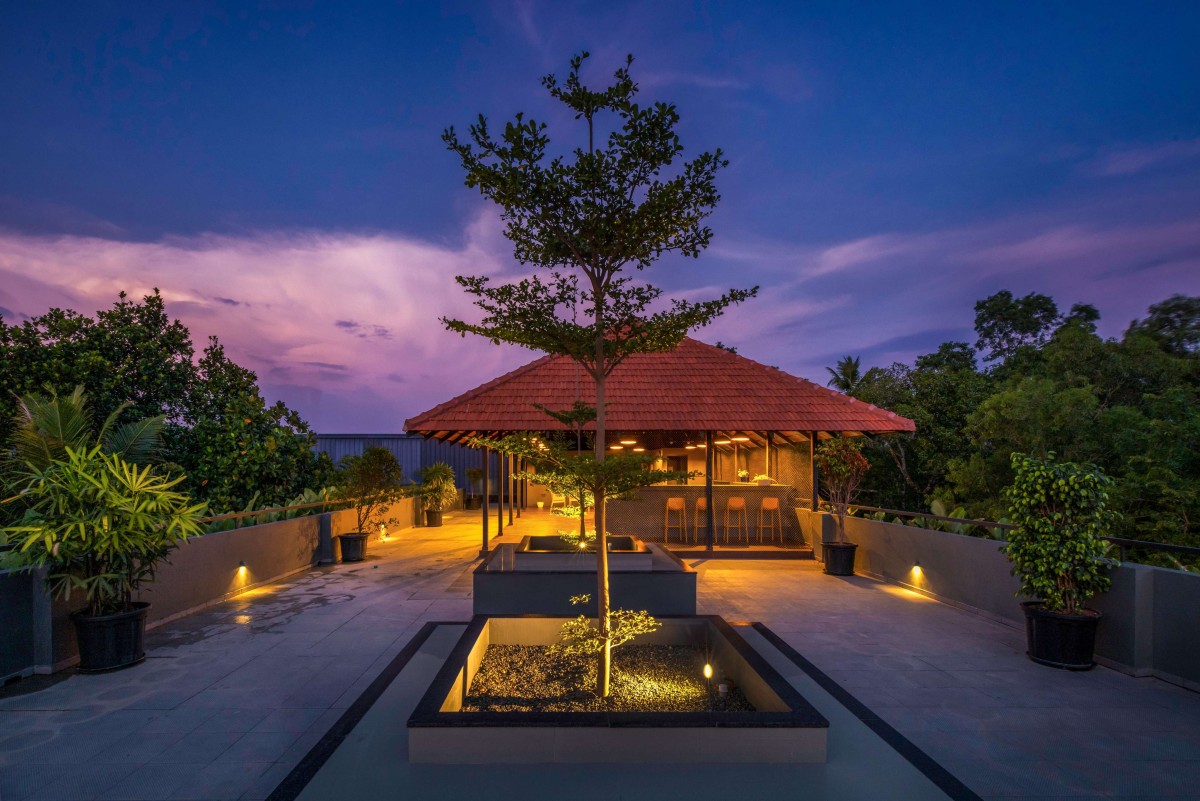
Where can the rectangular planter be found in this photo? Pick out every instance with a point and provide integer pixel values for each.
(784, 728)
(549, 553)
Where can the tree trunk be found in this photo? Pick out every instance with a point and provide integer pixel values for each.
(604, 667)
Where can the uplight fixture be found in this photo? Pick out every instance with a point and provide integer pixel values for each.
(707, 671)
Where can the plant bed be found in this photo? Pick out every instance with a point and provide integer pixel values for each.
(646, 678)
(548, 552)
(781, 727)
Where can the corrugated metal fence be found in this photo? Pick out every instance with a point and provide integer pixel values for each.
(412, 451)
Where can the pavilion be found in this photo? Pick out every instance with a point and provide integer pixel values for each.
(697, 407)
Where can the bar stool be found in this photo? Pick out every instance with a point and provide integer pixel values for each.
(700, 518)
(737, 505)
(675, 505)
(769, 511)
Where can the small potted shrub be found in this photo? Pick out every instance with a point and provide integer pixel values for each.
(475, 482)
(438, 491)
(101, 525)
(1059, 515)
(743, 475)
(842, 469)
(372, 483)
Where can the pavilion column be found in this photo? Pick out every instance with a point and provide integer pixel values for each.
(812, 469)
(520, 485)
(500, 494)
(708, 493)
(512, 484)
(486, 459)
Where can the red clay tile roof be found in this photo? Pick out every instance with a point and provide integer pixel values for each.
(696, 387)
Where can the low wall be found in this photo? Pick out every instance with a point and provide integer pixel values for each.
(17, 592)
(204, 571)
(1149, 627)
(668, 589)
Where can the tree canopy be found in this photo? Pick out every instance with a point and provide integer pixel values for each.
(135, 363)
(1129, 405)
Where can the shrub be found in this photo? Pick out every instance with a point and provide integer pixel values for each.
(1059, 513)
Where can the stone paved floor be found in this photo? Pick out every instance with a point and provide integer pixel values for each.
(232, 697)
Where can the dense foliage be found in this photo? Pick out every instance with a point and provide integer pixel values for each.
(373, 483)
(1047, 382)
(1059, 513)
(100, 526)
(842, 469)
(133, 361)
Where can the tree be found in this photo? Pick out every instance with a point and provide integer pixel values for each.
(373, 482)
(847, 377)
(1175, 323)
(588, 218)
(135, 363)
(1007, 325)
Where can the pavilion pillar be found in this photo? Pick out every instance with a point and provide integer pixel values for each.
(512, 484)
(520, 485)
(499, 494)
(486, 458)
(812, 469)
(708, 493)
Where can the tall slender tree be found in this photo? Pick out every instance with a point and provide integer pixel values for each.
(615, 202)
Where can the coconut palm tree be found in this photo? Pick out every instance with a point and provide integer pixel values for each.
(847, 377)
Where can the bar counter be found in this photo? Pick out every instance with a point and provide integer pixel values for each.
(643, 514)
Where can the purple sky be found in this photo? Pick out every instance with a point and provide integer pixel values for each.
(277, 172)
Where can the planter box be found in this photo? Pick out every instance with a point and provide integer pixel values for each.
(550, 553)
(784, 728)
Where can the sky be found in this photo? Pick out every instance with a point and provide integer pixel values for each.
(276, 169)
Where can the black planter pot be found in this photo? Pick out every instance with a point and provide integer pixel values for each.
(839, 558)
(354, 547)
(433, 519)
(111, 642)
(1058, 640)
(473, 502)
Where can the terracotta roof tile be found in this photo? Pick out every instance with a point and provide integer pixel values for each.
(696, 387)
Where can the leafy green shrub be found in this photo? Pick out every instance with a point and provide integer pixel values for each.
(1060, 514)
(372, 483)
(581, 636)
(100, 525)
(438, 491)
(843, 468)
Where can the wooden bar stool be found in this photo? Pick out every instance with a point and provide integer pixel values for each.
(675, 505)
(700, 518)
(770, 513)
(737, 505)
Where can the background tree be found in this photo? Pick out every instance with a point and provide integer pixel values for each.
(135, 363)
(1007, 325)
(847, 377)
(588, 217)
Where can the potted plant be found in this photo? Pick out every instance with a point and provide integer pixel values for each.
(371, 483)
(438, 491)
(101, 525)
(763, 480)
(475, 482)
(743, 474)
(1059, 515)
(842, 469)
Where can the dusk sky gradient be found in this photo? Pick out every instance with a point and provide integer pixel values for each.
(276, 169)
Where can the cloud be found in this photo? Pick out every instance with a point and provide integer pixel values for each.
(287, 302)
(1133, 160)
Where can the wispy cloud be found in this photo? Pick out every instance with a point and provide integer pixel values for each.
(1133, 160)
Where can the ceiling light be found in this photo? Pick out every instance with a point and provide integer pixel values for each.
(616, 447)
(628, 441)
(741, 439)
(689, 447)
(638, 450)
(722, 441)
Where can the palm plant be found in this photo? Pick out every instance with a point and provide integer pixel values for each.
(847, 376)
(46, 425)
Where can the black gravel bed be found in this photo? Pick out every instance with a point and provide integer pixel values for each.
(645, 678)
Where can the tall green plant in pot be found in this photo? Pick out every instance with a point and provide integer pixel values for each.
(1059, 513)
(438, 491)
(372, 483)
(474, 499)
(101, 526)
(842, 469)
